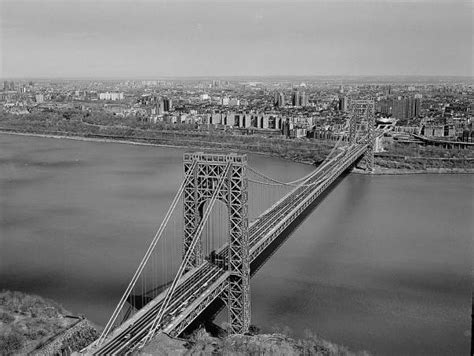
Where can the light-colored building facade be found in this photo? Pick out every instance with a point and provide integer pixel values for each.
(111, 96)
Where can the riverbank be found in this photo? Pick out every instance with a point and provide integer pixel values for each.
(418, 159)
(384, 164)
(380, 171)
(80, 124)
(73, 136)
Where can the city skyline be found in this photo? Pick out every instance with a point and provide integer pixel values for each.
(59, 39)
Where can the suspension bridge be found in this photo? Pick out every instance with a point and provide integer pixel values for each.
(216, 234)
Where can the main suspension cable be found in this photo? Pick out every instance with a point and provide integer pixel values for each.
(296, 181)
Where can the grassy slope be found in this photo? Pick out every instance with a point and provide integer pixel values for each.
(25, 320)
(30, 321)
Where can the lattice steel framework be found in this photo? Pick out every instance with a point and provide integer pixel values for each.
(206, 173)
(363, 109)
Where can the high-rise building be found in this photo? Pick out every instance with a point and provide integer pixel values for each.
(279, 99)
(160, 107)
(167, 104)
(303, 101)
(343, 104)
(401, 107)
(296, 98)
(39, 98)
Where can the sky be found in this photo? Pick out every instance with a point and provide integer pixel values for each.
(154, 39)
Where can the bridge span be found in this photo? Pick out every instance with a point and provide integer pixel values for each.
(201, 281)
(199, 287)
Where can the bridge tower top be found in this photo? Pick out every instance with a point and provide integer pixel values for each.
(215, 158)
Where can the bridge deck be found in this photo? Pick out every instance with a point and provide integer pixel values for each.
(201, 286)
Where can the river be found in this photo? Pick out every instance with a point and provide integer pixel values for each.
(383, 263)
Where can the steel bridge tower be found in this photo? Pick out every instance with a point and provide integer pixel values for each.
(205, 176)
(363, 110)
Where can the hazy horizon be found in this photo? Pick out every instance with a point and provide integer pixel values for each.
(106, 39)
(251, 77)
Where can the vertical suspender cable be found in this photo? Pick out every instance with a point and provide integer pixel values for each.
(144, 261)
(189, 252)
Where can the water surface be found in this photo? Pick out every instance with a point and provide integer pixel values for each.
(383, 263)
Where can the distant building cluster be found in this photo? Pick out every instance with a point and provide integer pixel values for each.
(244, 120)
(111, 96)
(158, 105)
(257, 107)
(400, 107)
(298, 99)
(8, 85)
(226, 101)
(12, 91)
(438, 130)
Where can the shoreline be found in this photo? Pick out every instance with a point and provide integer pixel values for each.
(127, 142)
(403, 172)
(378, 171)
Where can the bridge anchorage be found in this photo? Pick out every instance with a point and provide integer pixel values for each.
(200, 276)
